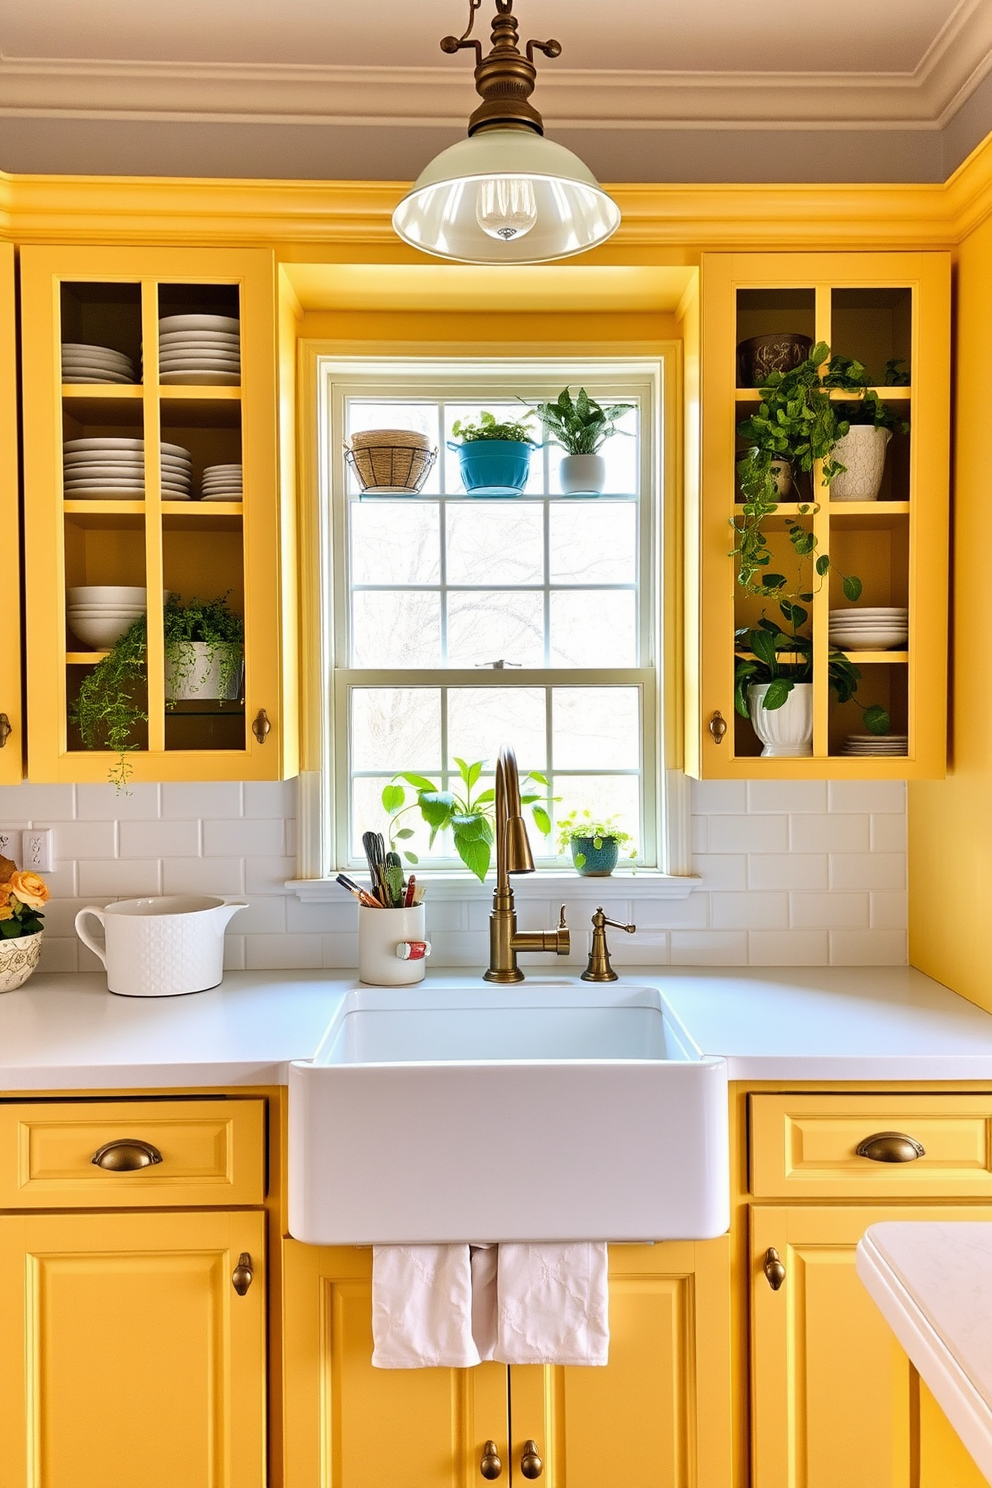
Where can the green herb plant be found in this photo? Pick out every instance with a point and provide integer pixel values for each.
(470, 818)
(582, 426)
(600, 829)
(762, 650)
(488, 428)
(208, 622)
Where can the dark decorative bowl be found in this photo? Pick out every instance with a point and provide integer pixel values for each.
(780, 351)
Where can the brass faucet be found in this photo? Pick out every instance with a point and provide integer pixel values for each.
(599, 968)
(513, 855)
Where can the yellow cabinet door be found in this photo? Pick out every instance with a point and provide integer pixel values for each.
(127, 1357)
(348, 1425)
(12, 741)
(658, 1415)
(833, 1402)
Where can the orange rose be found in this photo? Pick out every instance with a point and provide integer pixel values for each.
(28, 888)
(6, 910)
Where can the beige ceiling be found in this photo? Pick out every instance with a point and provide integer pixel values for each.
(894, 89)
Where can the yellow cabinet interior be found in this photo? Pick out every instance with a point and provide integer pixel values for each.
(197, 549)
(658, 1414)
(11, 722)
(873, 307)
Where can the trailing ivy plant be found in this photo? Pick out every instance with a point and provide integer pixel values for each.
(851, 376)
(207, 622)
(761, 650)
(470, 818)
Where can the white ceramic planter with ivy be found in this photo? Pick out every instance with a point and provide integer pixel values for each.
(785, 731)
(203, 669)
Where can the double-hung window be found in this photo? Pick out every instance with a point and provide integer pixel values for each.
(461, 622)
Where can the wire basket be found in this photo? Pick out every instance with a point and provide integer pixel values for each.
(391, 469)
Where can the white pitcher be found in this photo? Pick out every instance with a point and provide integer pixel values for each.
(161, 947)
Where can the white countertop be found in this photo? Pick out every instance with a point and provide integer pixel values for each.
(823, 1023)
(933, 1285)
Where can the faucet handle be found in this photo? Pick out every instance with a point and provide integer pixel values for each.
(630, 929)
(561, 919)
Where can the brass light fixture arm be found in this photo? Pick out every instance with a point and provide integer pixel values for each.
(505, 78)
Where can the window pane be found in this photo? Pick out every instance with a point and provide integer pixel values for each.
(603, 795)
(424, 418)
(395, 544)
(369, 815)
(596, 728)
(510, 412)
(620, 453)
(481, 719)
(593, 628)
(501, 625)
(593, 544)
(495, 542)
(395, 728)
(391, 629)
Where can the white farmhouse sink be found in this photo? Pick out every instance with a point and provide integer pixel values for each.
(549, 1111)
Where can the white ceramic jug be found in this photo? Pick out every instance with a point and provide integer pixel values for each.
(161, 947)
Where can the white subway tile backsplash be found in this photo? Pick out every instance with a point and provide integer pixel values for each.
(827, 911)
(832, 832)
(268, 875)
(787, 795)
(868, 795)
(246, 839)
(26, 802)
(888, 833)
(206, 799)
(120, 878)
(308, 919)
(671, 914)
(646, 948)
(341, 950)
(788, 871)
(867, 947)
(270, 798)
(699, 834)
(749, 834)
(283, 952)
(159, 839)
(750, 911)
(868, 870)
(59, 953)
(719, 796)
(105, 803)
(721, 870)
(890, 910)
(789, 947)
(708, 948)
(265, 915)
(90, 839)
(234, 952)
(203, 876)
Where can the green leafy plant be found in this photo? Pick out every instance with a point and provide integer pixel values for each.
(583, 426)
(111, 701)
(470, 818)
(868, 409)
(488, 428)
(762, 650)
(579, 824)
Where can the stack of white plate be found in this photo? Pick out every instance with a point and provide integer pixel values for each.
(876, 744)
(113, 469)
(200, 349)
(883, 628)
(221, 483)
(99, 614)
(82, 363)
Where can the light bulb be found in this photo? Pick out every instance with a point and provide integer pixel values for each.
(505, 207)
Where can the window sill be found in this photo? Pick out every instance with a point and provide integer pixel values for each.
(547, 884)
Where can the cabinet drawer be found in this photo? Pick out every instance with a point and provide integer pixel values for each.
(209, 1152)
(806, 1145)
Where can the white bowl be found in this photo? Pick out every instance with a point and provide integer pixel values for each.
(125, 595)
(101, 633)
(870, 641)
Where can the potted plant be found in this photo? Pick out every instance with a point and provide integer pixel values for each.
(594, 842)
(860, 451)
(22, 895)
(204, 645)
(581, 427)
(494, 457)
(470, 818)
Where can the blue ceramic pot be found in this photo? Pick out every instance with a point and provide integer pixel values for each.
(494, 467)
(599, 861)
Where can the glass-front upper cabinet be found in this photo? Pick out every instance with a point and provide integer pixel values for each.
(11, 727)
(155, 535)
(820, 550)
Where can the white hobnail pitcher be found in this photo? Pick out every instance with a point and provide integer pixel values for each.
(787, 730)
(161, 947)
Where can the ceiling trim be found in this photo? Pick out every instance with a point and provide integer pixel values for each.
(399, 97)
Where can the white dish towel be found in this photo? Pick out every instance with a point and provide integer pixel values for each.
(422, 1307)
(552, 1304)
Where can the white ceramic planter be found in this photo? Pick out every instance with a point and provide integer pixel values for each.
(18, 959)
(787, 730)
(582, 475)
(392, 946)
(862, 451)
(196, 673)
(782, 471)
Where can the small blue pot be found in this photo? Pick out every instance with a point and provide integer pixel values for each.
(599, 861)
(494, 467)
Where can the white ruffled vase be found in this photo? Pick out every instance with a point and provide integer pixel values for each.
(787, 730)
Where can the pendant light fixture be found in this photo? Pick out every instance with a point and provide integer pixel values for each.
(506, 194)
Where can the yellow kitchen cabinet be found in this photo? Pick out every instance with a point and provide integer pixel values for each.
(11, 728)
(833, 1398)
(83, 534)
(657, 1416)
(127, 1357)
(873, 307)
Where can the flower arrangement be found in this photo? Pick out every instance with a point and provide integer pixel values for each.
(22, 895)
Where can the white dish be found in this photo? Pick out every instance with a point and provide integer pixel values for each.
(222, 496)
(222, 486)
(869, 642)
(205, 333)
(80, 347)
(229, 346)
(119, 594)
(201, 379)
(206, 362)
(176, 449)
(78, 359)
(199, 323)
(101, 633)
(223, 469)
(72, 445)
(91, 472)
(97, 379)
(876, 614)
(78, 365)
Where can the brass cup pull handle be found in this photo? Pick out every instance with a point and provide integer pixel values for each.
(773, 1268)
(891, 1147)
(492, 1464)
(126, 1155)
(242, 1276)
(530, 1461)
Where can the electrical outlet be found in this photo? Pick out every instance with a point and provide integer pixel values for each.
(37, 849)
(10, 843)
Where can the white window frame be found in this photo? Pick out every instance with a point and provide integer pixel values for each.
(324, 782)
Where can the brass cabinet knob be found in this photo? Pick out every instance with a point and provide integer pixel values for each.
(242, 1276)
(126, 1155)
(530, 1462)
(491, 1465)
(718, 727)
(261, 726)
(891, 1147)
(773, 1268)
(5, 729)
